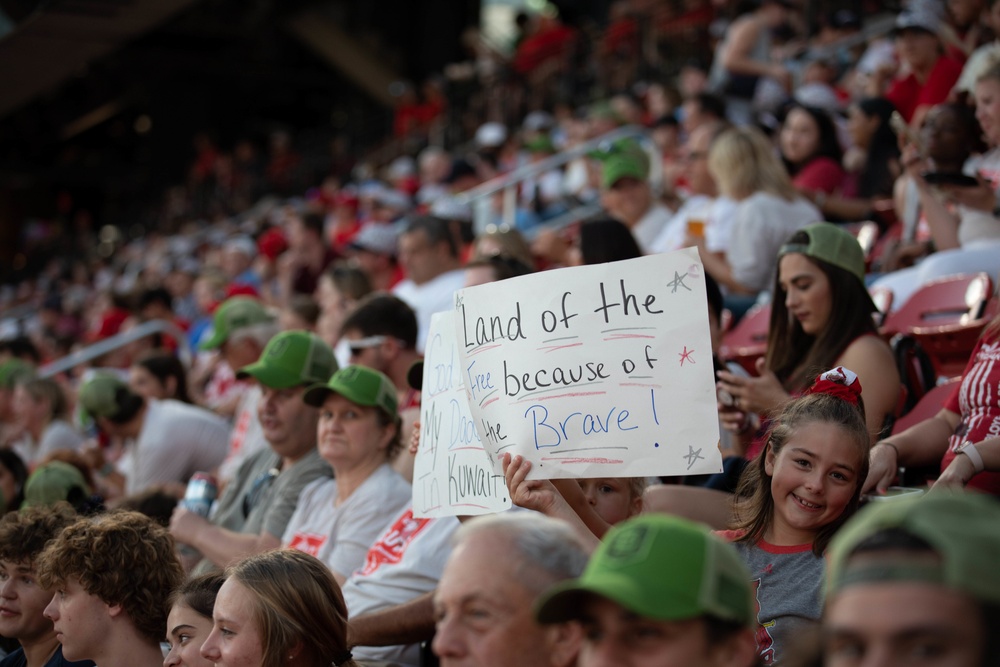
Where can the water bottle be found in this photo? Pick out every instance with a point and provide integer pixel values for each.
(201, 492)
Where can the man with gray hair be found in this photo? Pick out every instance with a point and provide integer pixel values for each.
(484, 615)
(241, 328)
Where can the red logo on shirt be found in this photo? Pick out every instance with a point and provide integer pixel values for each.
(765, 642)
(310, 543)
(391, 546)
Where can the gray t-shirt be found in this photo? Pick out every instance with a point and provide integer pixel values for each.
(788, 589)
(273, 502)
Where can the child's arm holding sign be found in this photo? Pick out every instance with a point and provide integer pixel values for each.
(542, 496)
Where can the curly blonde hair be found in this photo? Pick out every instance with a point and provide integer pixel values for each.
(124, 558)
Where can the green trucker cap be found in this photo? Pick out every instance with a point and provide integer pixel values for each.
(290, 359)
(13, 370)
(53, 482)
(624, 164)
(961, 528)
(358, 384)
(831, 244)
(98, 396)
(660, 567)
(231, 316)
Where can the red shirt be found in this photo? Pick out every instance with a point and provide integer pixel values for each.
(977, 400)
(821, 174)
(908, 93)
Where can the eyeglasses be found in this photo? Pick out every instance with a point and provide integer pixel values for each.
(361, 344)
(260, 486)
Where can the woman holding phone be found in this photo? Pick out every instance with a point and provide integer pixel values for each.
(962, 218)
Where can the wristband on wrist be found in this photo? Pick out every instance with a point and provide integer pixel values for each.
(889, 444)
(970, 450)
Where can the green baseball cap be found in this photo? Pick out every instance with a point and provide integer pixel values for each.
(98, 396)
(53, 482)
(231, 316)
(541, 144)
(660, 567)
(961, 528)
(831, 244)
(624, 164)
(358, 384)
(290, 359)
(13, 370)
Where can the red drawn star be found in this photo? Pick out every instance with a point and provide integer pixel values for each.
(686, 355)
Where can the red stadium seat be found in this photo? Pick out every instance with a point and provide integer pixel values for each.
(955, 301)
(747, 341)
(934, 332)
(926, 407)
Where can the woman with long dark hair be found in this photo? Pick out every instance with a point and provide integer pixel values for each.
(821, 317)
(811, 152)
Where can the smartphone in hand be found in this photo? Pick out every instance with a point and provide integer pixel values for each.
(950, 178)
(903, 129)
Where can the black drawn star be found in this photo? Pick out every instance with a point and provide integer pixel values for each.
(692, 456)
(678, 281)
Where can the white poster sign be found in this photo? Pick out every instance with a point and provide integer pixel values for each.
(594, 371)
(452, 474)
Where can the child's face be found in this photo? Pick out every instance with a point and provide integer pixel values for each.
(813, 478)
(610, 497)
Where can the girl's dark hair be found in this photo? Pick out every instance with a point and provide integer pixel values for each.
(795, 356)
(12, 462)
(607, 240)
(754, 505)
(199, 593)
(163, 365)
(882, 163)
(829, 142)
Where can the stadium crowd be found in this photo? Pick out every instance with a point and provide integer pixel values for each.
(296, 314)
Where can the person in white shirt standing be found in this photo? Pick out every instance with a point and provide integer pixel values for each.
(429, 255)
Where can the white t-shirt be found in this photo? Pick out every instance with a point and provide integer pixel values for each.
(719, 229)
(176, 441)
(56, 436)
(650, 225)
(671, 237)
(434, 296)
(341, 535)
(763, 223)
(403, 564)
(247, 437)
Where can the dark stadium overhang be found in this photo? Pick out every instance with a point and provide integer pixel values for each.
(60, 38)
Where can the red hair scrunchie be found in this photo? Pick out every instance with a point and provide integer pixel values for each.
(839, 383)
